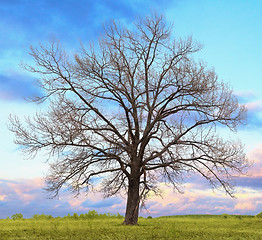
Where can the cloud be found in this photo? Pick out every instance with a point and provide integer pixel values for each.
(109, 202)
(25, 23)
(27, 197)
(255, 172)
(250, 182)
(207, 201)
(255, 106)
(30, 22)
(252, 100)
(17, 87)
(38, 20)
(245, 206)
(2, 197)
(254, 114)
(245, 96)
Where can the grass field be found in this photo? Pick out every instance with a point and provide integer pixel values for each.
(176, 227)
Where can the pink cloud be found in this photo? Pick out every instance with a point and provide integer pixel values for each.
(254, 106)
(24, 189)
(5, 96)
(245, 206)
(193, 201)
(2, 197)
(255, 156)
(27, 197)
(199, 201)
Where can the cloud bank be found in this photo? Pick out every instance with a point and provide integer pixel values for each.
(26, 196)
(17, 87)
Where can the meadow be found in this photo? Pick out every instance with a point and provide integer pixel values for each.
(106, 226)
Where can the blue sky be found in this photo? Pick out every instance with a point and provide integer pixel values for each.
(231, 34)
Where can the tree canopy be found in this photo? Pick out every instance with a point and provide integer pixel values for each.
(135, 109)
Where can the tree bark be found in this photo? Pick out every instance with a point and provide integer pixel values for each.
(132, 206)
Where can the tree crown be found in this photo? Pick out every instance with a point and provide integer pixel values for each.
(137, 105)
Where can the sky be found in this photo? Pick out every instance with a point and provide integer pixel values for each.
(231, 34)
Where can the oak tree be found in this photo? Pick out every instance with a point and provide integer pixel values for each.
(135, 110)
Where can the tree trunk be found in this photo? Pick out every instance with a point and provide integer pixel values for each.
(132, 206)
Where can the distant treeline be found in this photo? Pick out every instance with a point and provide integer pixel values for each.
(212, 216)
(93, 214)
(89, 215)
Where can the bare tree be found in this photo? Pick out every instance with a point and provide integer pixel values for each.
(134, 110)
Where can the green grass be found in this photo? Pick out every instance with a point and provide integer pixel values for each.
(177, 227)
